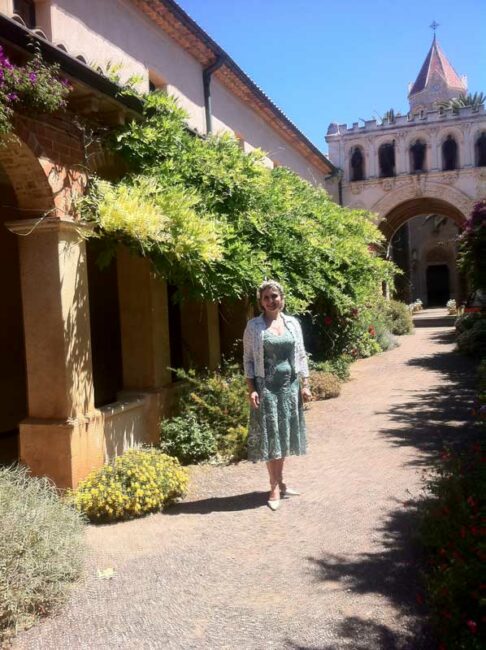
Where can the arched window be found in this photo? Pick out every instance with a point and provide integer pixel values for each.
(417, 156)
(449, 154)
(386, 158)
(481, 150)
(357, 164)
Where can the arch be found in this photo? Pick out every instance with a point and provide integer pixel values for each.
(417, 149)
(357, 163)
(26, 174)
(480, 149)
(402, 212)
(386, 159)
(450, 153)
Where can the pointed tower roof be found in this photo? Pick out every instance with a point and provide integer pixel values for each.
(436, 68)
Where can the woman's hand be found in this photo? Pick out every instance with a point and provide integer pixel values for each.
(306, 394)
(254, 398)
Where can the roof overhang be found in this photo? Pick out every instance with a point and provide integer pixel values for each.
(186, 32)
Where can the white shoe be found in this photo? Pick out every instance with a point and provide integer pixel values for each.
(273, 504)
(288, 492)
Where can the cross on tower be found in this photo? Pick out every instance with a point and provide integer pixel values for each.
(434, 26)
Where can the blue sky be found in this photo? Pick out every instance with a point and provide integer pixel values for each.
(325, 61)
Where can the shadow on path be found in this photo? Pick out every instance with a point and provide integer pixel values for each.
(441, 416)
(247, 501)
(428, 421)
(392, 573)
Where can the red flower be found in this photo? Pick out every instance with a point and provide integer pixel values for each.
(473, 626)
(471, 502)
(327, 320)
(371, 330)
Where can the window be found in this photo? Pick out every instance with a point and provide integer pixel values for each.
(417, 156)
(357, 164)
(26, 10)
(386, 159)
(156, 82)
(481, 150)
(449, 154)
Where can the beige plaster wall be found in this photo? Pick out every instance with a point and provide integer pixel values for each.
(229, 113)
(88, 28)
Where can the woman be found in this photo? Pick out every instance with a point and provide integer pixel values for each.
(277, 375)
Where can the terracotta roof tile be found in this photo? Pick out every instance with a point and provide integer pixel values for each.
(436, 63)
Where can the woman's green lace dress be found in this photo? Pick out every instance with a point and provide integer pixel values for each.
(277, 427)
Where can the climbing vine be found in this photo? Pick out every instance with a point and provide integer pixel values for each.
(215, 221)
(34, 86)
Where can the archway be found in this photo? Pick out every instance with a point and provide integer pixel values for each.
(422, 236)
(25, 194)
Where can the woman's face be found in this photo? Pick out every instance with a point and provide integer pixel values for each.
(271, 300)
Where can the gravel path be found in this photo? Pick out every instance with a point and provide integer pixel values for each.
(334, 568)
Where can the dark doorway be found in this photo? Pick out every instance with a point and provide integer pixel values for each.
(13, 381)
(104, 312)
(438, 289)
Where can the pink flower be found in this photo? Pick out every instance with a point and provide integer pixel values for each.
(473, 626)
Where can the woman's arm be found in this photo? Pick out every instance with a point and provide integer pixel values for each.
(249, 367)
(304, 366)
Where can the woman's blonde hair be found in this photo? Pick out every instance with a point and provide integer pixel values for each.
(270, 284)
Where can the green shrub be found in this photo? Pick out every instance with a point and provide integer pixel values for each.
(187, 439)
(473, 341)
(482, 377)
(450, 533)
(385, 339)
(397, 317)
(338, 366)
(467, 321)
(218, 401)
(41, 549)
(324, 385)
(137, 482)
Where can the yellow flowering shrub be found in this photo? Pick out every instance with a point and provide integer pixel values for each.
(137, 482)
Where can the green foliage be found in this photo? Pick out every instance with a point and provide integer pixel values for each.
(217, 401)
(133, 484)
(265, 222)
(338, 366)
(467, 321)
(34, 86)
(397, 317)
(385, 339)
(473, 341)
(41, 549)
(324, 385)
(450, 532)
(475, 100)
(187, 439)
(472, 247)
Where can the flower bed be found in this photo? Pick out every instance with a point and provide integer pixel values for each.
(133, 484)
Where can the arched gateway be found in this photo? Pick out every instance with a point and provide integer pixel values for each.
(424, 197)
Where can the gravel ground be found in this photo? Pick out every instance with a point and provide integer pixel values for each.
(334, 568)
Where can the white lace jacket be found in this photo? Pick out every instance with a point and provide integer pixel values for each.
(253, 346)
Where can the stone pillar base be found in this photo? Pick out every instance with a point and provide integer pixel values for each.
(64, 451)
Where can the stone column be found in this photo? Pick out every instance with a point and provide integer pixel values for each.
(61, 437)
(372, 162)
(467, 152)
(434, 151)
(144, 324)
